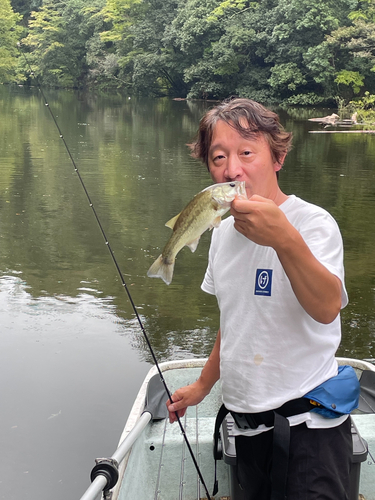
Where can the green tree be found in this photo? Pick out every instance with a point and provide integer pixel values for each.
(25, 7)
(145, 61)
(284, 42)
(159, 65)
(261, 47)
(291, 51)
(59, 41)
(102, 63)
(350, 50)
(9, 36)
(189, 40)
(121, 16)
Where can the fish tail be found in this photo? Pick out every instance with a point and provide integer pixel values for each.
(162, 269)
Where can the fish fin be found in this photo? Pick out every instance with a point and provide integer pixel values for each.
(171, 223)
(193, 244)
(216, 222)
(161, 269)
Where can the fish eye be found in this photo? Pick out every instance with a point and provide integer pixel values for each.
(232, 185)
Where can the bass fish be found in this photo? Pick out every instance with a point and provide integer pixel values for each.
(203, 212)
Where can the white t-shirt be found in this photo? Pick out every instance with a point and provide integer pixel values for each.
(271, 350)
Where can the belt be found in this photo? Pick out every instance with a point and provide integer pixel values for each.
(254, 420)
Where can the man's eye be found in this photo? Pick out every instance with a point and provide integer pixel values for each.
(247, 153)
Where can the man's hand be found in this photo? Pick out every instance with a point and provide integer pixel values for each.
(260, 220)
(193, 394)
(189, 395)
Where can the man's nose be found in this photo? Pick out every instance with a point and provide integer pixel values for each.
(233, 168)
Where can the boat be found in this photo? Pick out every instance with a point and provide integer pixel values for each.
(153, 461)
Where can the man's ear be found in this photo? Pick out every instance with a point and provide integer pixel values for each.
(279, 164)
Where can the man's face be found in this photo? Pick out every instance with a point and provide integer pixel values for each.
(235, 158)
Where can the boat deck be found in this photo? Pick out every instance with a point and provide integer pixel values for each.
(160, 458)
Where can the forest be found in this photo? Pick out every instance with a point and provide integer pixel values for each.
(294, 52)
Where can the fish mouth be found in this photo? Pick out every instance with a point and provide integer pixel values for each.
(242, 190)
(239, 192)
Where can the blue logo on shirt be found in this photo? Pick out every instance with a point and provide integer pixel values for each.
(263, 282)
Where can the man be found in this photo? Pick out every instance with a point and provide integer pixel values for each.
(276, 268)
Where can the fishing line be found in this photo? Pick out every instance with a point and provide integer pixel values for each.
(123, 282)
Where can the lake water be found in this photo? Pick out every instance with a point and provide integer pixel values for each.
(72, 356)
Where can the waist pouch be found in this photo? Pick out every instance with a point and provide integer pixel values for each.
(336, 396)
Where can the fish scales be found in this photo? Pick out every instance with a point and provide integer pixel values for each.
(188, 225)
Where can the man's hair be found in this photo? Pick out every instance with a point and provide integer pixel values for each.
(250, 119)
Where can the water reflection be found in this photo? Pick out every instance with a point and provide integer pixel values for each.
(132, 155)
(89, 313)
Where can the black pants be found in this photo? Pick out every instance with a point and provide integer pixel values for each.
(319, 463)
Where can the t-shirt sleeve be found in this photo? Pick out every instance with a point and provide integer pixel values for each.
(322, 235)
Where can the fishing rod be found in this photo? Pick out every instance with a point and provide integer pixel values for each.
(107, 469)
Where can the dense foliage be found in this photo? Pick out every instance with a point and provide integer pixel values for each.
(9, 34)
(290, 51)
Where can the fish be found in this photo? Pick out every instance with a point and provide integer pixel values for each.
(203, 212)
